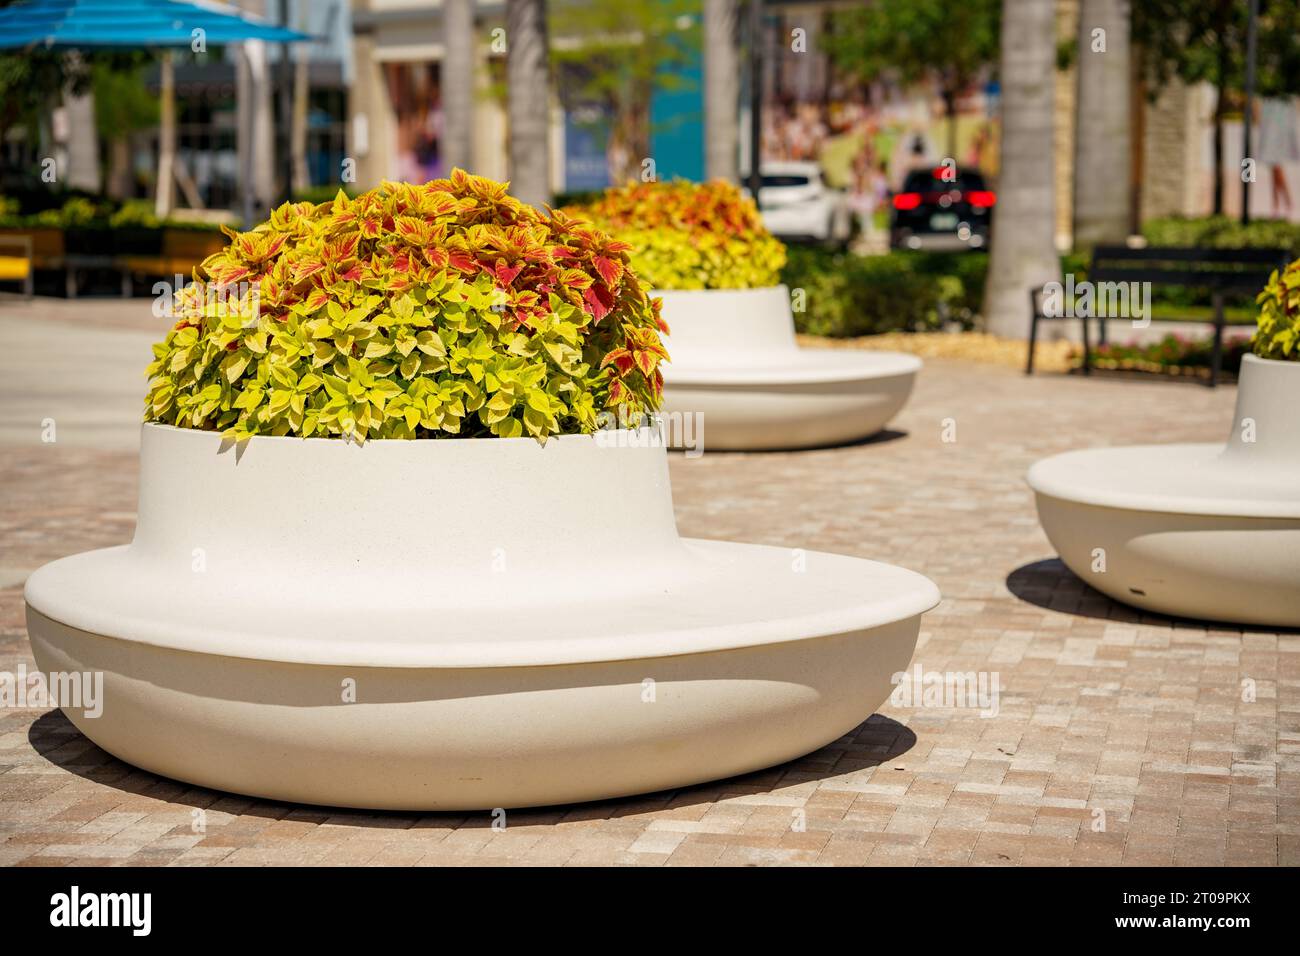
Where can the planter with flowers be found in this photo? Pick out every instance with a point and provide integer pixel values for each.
(1208, 531)
(704, 250)
(386, 558)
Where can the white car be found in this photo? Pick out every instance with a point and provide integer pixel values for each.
(796, 203)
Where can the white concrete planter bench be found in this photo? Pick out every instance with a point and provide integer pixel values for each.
(1201, 531)
(734, 360)
(456, 624)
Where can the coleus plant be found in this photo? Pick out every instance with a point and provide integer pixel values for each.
(691, 235)
(1278, 333)
(447, 309)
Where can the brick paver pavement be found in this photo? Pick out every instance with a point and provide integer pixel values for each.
(1106, 716)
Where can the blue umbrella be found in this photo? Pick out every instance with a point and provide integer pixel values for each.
(136, 24)
(89, 24)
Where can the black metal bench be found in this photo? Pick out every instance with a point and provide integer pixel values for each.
(1221, 271)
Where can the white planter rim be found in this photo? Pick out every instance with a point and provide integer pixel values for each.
(580, 633)
(799, 367)
(270, 589)
(1171, 479)
(758, 290)
(1251, 357)
(1248, 477)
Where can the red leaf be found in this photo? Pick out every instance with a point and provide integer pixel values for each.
(462, 261)
(609, 270)
(598, 297)
(506, 274)
(576, 279)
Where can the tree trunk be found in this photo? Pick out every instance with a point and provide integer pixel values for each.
(299, 172)
(528, 105)
(256, 130)
(1102, 151)
(118, 184)
(721, 90)
(165, 189)
(1023, 254)
(1220, 108)
(458, 83)
(83, 140)
(301, 176)
(950, 116)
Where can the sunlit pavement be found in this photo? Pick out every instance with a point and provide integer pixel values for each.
(1119, 738)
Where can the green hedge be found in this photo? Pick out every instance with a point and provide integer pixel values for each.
(849, 295)
(86, 213)
(1220, 232)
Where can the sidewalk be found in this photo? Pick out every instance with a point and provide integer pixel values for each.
(1107, 718)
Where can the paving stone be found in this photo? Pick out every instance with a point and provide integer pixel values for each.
(1120, 737)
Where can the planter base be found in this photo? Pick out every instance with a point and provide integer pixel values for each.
(813, 399)
(1201, 531)
(474, 738)
(1209, 567)
(312, 622)
(734, 362)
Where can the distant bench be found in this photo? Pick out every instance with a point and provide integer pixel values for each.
(128, 252)
(17, 266)
(1221, 271)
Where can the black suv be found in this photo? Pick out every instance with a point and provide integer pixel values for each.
(941, 208)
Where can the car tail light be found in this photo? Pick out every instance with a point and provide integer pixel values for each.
(907, 200)
(981, 199)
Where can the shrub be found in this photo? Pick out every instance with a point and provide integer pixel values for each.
(1216, 232)
(76, 213)
(72, 210)
(134, 214)
(1278, 334)
(1221, 232)
(691, 235)
(411, 312)
(847, 295)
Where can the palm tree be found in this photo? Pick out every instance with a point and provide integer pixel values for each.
(1023, 253)
(300, 176)
(1102, 144)
(165, 195)
(83, 139)
(458, 83)
(528, 107)
(721, 74)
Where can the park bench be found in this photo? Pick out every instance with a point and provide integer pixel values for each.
(17, 266)
(73, 253)
(1222, 272)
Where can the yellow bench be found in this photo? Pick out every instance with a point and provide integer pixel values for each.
(17, 267)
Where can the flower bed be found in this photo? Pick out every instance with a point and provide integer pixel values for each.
(1174, 355)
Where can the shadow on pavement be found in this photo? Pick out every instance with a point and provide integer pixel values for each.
(1050, 584)
(874, 742)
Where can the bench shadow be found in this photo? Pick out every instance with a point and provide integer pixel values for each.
(1050, 584)
(874, 742)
